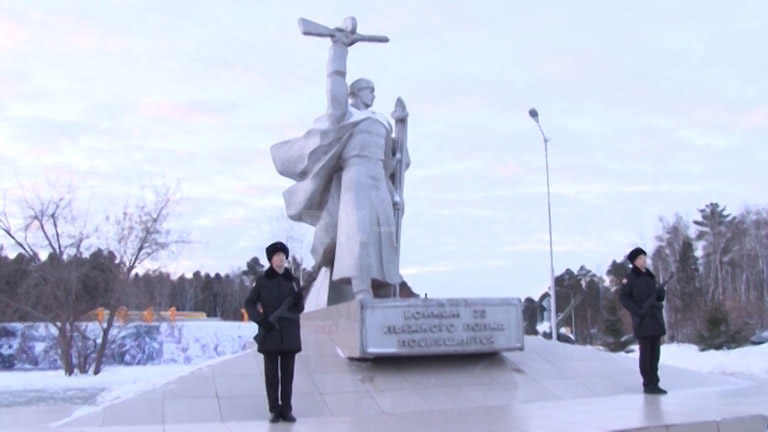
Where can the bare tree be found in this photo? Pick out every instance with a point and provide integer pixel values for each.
(53, 292)
(665, 260)
(48, 223)
(141, 233)
(59, 291)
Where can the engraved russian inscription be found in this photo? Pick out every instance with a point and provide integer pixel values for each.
(435, 328)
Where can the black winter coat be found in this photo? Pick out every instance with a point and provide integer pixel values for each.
(644, 300)
(271, 290)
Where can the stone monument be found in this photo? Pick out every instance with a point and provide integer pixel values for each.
(349, 169)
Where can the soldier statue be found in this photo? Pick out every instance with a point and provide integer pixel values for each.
(349, 168)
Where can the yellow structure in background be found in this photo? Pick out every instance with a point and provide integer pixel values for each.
(174, 315)
(244, 314)
(148, 315)
(122, 314)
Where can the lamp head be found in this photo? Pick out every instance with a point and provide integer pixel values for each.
(534, 114)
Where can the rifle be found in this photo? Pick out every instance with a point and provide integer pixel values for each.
(281, 312)
(653, 299)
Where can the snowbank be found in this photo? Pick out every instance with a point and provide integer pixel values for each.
(159, 353)
(32, 346)
(751, 360)
(116, 376)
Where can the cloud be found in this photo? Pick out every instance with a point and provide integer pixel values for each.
(45, 130)
(84, 39)
(244, 74)
(468, 211)
(509, 169)
(757, 118)
(432, 195)
(447, 168)
(561, 243)
(78, 35)
(62, 34)
(433, 268)
(591, 190)
(443, 267)
(710, 139)
(187, 111)
(12, 35)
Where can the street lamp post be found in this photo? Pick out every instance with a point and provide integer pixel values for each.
(552, 290)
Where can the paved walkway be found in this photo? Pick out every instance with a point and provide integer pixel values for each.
(547, 387)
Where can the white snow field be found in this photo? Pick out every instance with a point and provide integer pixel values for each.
(746, 361)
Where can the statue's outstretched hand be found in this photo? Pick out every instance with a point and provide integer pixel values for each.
(343, 37)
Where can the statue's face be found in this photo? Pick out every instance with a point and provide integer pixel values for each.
(367, 96)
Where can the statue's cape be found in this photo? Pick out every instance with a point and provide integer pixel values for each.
(312, 161)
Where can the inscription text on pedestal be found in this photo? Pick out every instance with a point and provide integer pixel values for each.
(433, 327)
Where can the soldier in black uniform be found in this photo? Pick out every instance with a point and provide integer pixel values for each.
(644, 299)
(278, 345)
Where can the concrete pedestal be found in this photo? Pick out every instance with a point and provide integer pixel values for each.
(424, 327)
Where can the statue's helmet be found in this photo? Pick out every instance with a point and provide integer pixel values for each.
(359, 85)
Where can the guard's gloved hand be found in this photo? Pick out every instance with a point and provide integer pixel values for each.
(651, 306)
(644, 310)
(266, 324)
(648, 307)
(298, 298)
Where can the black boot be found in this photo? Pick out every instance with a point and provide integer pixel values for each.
(289, 417)
(275, 418)
(655, 390)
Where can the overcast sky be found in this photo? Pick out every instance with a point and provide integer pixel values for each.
(653, 108)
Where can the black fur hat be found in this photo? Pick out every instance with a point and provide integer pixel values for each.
(275, 248)
(634, 253)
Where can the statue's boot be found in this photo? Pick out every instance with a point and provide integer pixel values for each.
(361, 287)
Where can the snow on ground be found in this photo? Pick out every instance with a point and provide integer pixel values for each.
(197, 341)
(192, 345)
(750, 360)
(115, 376)
(187, 346)
(139, 380)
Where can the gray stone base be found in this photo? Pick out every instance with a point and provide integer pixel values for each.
(364, 329)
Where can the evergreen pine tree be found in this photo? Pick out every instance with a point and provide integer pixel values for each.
(717, 333)
(687, 297)
(530, 316)
(613, 327)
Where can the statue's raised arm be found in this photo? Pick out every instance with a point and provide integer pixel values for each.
(338, 92)
(342, 37)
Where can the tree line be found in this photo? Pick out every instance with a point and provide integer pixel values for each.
(717, 299)
(64, 270)
(217, 295)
